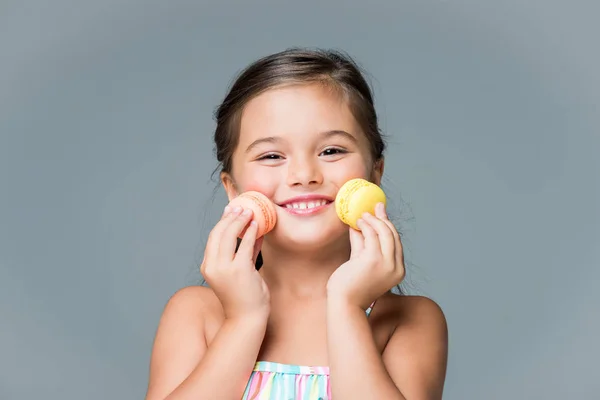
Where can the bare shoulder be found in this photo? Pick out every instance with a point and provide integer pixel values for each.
(408, 316)
(416, 312)
(417, 351)
(193, 299)
(195, 308)
(184, 317)
(180, 340)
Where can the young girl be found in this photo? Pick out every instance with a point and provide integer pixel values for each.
(317, 319)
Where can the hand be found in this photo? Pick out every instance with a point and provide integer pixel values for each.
(376, 262)
(232, 275)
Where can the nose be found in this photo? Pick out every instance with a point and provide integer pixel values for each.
(304, 172)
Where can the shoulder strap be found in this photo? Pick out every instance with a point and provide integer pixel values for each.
(370, 308)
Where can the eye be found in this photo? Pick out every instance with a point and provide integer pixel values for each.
(270, 156)
(333, 151)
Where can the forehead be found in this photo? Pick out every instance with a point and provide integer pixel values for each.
(296, 111)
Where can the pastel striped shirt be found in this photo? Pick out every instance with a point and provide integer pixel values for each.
(275, 381)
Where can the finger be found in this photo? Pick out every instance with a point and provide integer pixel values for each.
(357, 243)
(381, 213)
(246, 249)
(214, 238)
(228, 238)
(229, 215)
(257, 247)
(371, 241)
(386, 238)
(398, 250)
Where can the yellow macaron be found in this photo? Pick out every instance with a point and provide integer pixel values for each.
(356, 197)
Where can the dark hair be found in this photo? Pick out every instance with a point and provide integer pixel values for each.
(331, 68)
(296, 66)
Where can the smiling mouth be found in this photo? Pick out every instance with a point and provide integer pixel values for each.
(306, 205)
(306, 208)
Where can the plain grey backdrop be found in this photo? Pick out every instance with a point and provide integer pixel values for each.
(492, 108)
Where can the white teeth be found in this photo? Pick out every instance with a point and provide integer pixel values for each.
(306, 205)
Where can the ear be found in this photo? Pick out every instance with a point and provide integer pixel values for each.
(378, 171)
(229, 185)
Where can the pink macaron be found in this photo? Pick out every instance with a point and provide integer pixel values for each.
(263, 210)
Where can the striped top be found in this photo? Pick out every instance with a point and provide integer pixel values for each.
(275, 381)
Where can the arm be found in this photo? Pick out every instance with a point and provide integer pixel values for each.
(413, 364)
(183, 367)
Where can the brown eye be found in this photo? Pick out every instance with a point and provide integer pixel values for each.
(270, 156)
(333, 151)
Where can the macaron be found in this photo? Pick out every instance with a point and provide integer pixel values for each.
(356, 197)
(263, 210)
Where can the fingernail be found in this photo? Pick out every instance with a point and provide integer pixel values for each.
(237, 209)
(226, 210)
(247, 211)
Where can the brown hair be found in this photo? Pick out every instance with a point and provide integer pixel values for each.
(296, 66)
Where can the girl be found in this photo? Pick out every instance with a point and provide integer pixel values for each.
(296, 126)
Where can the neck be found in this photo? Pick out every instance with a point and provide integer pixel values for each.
(302, 273)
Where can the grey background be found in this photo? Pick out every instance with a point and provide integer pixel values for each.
(106, 155)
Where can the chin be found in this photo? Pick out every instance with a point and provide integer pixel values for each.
(309, 235)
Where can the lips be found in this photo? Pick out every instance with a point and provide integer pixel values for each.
(307, 204)
(304, 205)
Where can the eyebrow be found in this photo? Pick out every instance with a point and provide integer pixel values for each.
(326, 134)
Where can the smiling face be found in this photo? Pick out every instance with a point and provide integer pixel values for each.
(298, 145)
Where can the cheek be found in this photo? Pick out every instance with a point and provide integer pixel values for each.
(260, 182)
(349, 170)
(263, 187)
